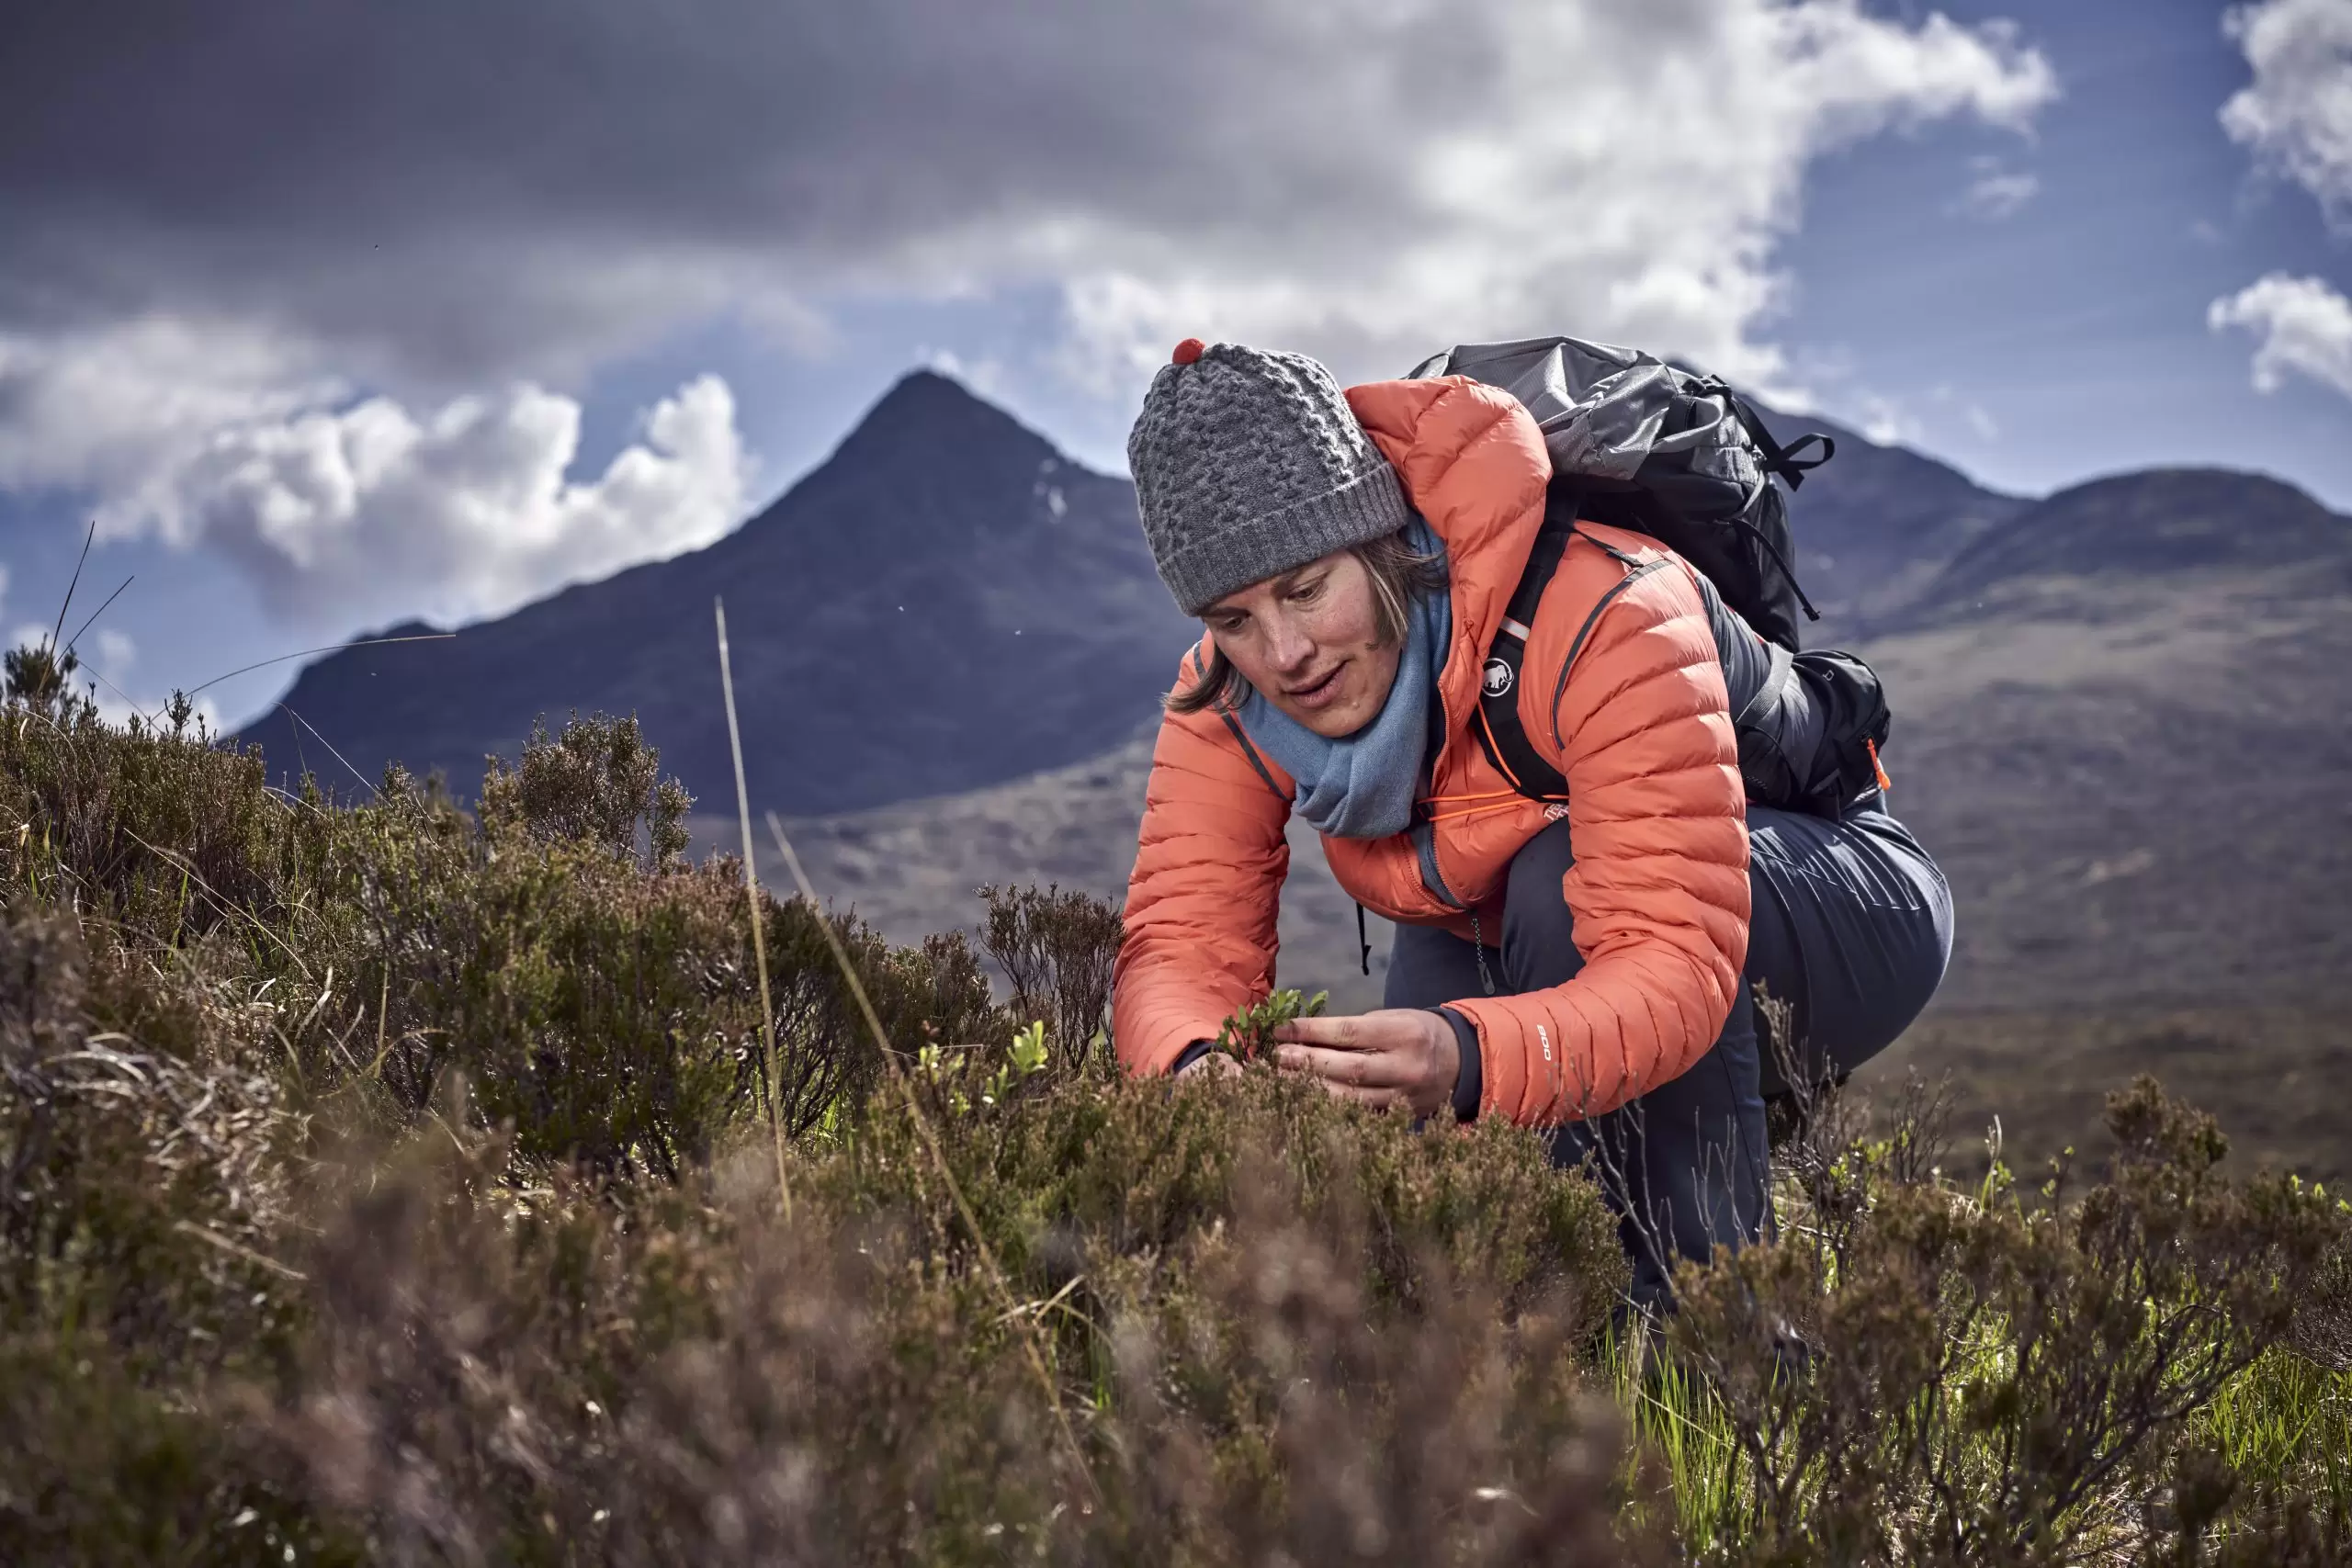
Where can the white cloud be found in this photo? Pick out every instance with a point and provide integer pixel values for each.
(113, 409)
(1996, 193)
(2297, 112)
(116, 653)
(2304, 325)
(207, 433)
(1886, 422)
(1520, 205)
(464, 512)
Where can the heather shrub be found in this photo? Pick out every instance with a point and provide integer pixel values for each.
(1057, 950)
(149, 829)
(612, 1015)
(1998, 1376)
(600, 1013)
(690, 1377)
(38, 678)
(148, 1175)
(2323, 1328)
(597, 782)
(1074, 1169)
(142, 1187)
(383, 1183)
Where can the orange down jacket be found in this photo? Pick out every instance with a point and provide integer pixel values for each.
(1619, 687)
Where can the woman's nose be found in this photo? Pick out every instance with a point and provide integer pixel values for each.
(1290, 645)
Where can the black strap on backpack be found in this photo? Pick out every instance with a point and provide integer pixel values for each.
(1776, 458)
(1788, 463)
(1499, 730)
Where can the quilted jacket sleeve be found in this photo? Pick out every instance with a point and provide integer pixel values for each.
(1206, 888)
(1659, 890)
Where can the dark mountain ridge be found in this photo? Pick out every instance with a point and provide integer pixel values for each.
(1876, 525)
(2155, 522)
(901, 623)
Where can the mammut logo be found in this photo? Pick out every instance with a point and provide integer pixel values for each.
(1498, 677)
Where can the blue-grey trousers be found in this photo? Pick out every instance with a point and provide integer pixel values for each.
(1851, 927)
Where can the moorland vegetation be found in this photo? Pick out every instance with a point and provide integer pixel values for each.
(386, 1181)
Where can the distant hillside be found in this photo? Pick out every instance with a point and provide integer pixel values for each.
(2121, 724)
(1876, 526)
(2163, 523)
(946, 604)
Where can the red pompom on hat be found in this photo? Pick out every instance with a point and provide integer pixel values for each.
(1187, 351)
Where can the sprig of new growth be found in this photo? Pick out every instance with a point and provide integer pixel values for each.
(1249, 1034)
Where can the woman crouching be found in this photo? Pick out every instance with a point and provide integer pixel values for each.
(1574, 965)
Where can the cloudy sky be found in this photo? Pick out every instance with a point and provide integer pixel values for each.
(336, 314)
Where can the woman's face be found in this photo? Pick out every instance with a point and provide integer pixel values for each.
(1306, 640)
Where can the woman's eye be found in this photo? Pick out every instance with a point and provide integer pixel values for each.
(1305, 593)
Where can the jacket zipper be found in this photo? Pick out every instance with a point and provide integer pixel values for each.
(1424, 830)
(1560, 689)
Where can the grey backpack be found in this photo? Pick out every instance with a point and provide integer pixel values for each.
(1641, 445)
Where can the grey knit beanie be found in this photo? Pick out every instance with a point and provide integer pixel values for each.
(1248, 463)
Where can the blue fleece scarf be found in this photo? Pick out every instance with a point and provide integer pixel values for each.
(1362, 785)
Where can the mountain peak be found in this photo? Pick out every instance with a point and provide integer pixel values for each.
(926, 416)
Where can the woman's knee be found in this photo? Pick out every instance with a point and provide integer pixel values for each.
(1854, 928)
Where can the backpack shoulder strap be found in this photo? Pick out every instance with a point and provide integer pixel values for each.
(1500, 734)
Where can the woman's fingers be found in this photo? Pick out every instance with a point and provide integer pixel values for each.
(1345, 1031)
(1357, 1068)
(1396, 1055)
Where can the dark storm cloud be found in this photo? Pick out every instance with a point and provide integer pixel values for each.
(464, 185)
(486, 175)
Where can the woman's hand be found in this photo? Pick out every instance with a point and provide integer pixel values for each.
(1394, 1056)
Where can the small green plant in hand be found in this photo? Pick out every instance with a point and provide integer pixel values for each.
(1249, 1034)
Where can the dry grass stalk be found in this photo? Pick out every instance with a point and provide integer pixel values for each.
(930, 1134)
(751, 897)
